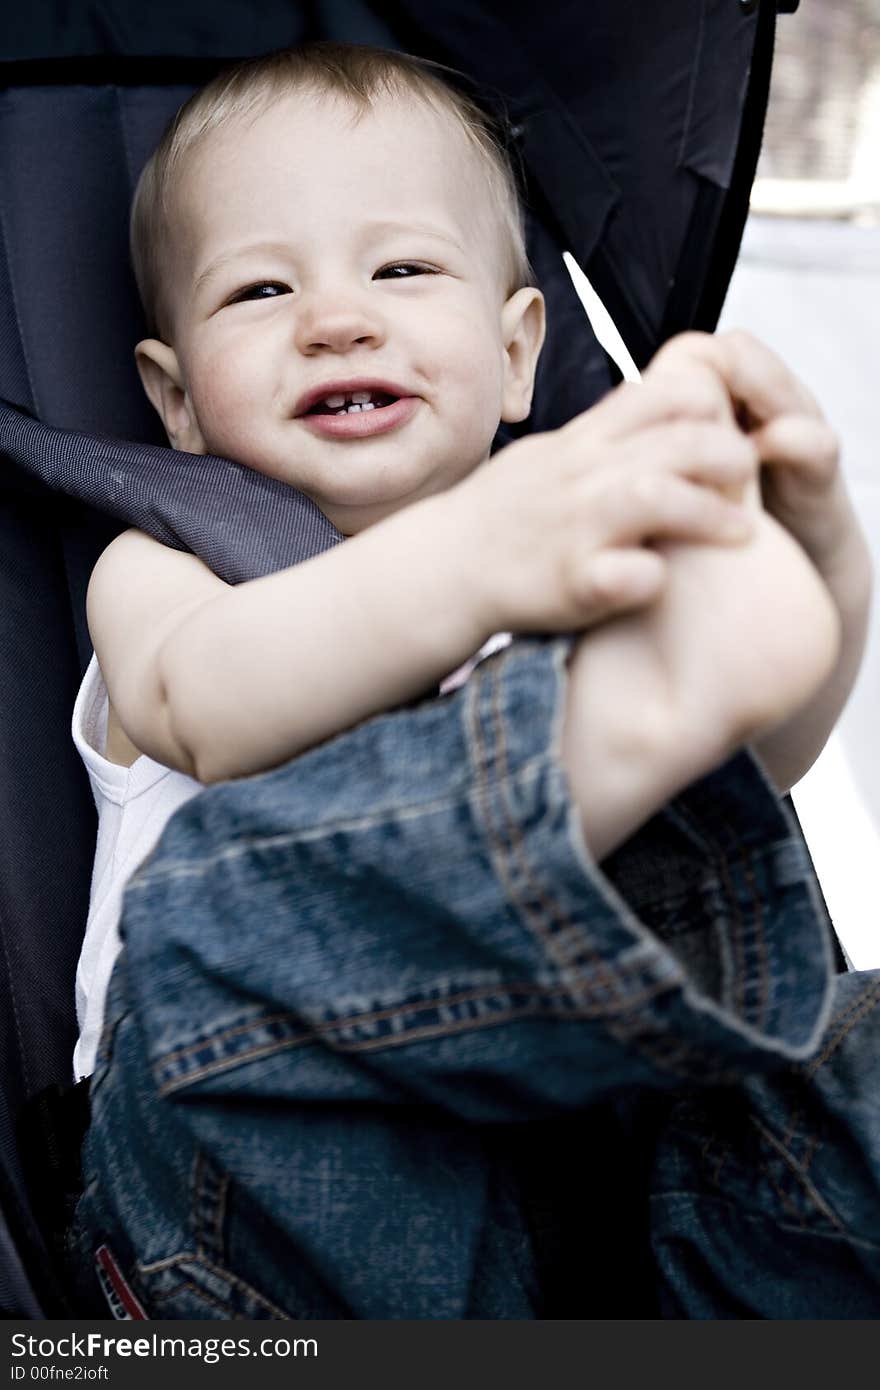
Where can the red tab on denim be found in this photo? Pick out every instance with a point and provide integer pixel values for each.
(123, 1303)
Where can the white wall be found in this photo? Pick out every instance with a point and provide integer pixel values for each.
(811, 290)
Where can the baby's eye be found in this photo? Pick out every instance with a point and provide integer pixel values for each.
(402, 270)
(264, 289)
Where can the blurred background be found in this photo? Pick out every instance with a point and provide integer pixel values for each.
(808, 283)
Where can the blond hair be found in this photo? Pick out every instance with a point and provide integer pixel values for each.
(360, 74)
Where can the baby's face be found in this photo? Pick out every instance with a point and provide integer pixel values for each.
(325, 263)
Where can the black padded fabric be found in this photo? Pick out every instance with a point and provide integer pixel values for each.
(240, 523)
(72, 301)
(47, 825)
(630, 120)
(628, 133)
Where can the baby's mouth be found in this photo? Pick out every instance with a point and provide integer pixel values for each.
(352, 403)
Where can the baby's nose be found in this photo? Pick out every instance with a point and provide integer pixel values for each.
(336, 326)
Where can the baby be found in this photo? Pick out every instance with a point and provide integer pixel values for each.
(331, 258)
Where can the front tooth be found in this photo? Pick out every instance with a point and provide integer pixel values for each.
(360, 397)
(354, 410)
(335, 401)
(368, 405)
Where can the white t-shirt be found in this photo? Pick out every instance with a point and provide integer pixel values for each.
(134, 805)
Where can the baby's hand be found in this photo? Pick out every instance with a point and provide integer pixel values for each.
(560, 525)
(801, 481)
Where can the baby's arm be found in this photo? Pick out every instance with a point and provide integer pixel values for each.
(221, 682)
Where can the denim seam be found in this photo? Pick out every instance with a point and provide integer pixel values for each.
(413, 1035)
(194, 1258)
(720, 862)
(748, 940)
(737, 952)
(799, 1172)
(788, 1205)
(663, 1053)
(510, 853)
(149, 876)
(845, 1024)
(209, 1205)
(187, 1286)
(685, 1196)
(762, 1002)
(392, 1011)
(593, 959)
(674, 1055)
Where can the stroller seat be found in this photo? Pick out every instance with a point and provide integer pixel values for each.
(638, 133)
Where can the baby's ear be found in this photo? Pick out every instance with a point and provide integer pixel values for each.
(164, 384)
(522, 327)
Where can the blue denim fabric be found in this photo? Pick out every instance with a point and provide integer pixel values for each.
(766, 1197)
(349, 984)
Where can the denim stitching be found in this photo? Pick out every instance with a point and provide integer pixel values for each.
(810, 1152)
(799, 1173)
(856, 1012)
(209, 1204)
(169, 1262)
(162, 873)
(663, 1053)
(844, 1024)
(376, 1016)
(483, 789)
(847, 1021)
(187, 1286)
(762, 1004)
(197, 1259)
(198, 1162)
(556, 914)
(747, 934)
(417, 1034)
(544, 933)
(736, 936)
(784, 1198)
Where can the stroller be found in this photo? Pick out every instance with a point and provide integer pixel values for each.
(638, 130)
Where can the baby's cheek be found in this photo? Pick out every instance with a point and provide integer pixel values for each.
(221, 398)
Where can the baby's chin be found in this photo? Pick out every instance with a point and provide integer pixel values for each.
(353, 509)
(352, 518)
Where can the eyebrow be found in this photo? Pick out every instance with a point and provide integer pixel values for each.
(280, 248)
(214, 267)
(420, 228)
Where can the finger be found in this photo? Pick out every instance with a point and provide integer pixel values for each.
(655, 400)
(758, 380)
(701, 450)
(800, 442)
(651, 505)
(619, 581)
(695, 384)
